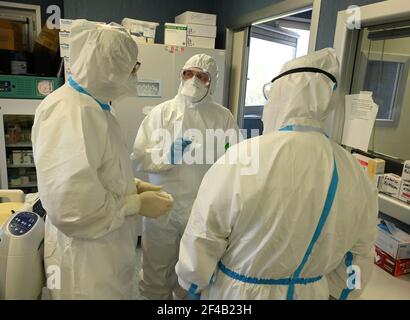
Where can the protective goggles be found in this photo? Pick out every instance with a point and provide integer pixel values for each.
(267, 87)
(204, 77)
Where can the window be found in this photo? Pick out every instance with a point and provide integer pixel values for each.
(266, 58)
(383, 79)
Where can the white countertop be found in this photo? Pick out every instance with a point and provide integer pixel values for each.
(384, 286)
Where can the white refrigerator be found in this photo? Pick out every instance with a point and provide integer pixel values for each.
(17, 169)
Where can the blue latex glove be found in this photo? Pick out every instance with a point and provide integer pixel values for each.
(178, 149)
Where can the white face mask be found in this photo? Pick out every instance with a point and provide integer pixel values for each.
(194, 88)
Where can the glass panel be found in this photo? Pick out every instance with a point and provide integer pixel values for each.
(266, 59)
(382, 66)
(21, 170)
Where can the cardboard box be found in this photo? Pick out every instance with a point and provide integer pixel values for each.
(201, 42)
(175, 34)
(379, 181)
(64, 44)
(391, 185)
(11, 35)
(391, 265)
(49, 38)
(140, 28)
(405, 192)
(200, 30)
(406, 171)
(189, 17)
(397, 248)
(376, 166)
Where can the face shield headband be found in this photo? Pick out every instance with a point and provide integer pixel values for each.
(267, 87)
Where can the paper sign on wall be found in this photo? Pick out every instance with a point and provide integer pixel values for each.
(360, 117)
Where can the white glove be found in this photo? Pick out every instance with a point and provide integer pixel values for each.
(143, 186)
(155, 204)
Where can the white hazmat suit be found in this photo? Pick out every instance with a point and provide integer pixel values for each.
(160, 240)
(85, 177)
(292, 230)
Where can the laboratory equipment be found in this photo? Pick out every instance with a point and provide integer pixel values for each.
(27, 87)
(21, 253)
(17, 168)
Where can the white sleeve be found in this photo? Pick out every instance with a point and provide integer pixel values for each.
(210, 224)
(150, 155)
(353, 274)
(69, 147)
(231, 124)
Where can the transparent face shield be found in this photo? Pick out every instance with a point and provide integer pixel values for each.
(268, 86)
(204, 77)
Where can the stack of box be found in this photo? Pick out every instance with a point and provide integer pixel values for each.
(143, 31)
(373, 167)
(404, 194)
(65, 32)
(396, 186)
(192, 29)
(393, 250)
(65, 29)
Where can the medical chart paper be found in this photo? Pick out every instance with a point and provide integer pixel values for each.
(360, 117)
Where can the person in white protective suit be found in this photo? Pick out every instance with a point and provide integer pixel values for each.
(85, 178)
(186, 118)
(293, 229)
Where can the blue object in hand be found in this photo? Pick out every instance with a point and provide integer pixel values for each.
(178, 149)
(194, 296)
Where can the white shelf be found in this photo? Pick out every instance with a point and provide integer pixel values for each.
(394, 208)
(15, 166)
(28, 185)
(19, 145)
(383, 286)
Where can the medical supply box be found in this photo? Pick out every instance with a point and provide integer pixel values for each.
(397, 248)
(391, 185)
(189, 17)
(200, 30)
(201, 42)
(176, 34)
(394, 267)
(406, 171)
(404, 194)
(144, 31)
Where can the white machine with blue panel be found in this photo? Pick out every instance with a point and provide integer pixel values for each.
(21, 253)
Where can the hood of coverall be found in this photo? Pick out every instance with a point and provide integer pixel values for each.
(102, 58)
(206, 64)
(304, 98)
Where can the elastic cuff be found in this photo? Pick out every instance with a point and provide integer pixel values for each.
(132, 205)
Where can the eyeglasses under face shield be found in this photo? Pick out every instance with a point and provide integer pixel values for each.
(204, 77)
(267, 87)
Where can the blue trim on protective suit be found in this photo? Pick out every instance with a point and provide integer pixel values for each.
(270, 282)
(192, 293)
(80, 89)
(323, 218)
(348, 262)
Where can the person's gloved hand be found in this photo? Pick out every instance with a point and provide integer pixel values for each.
(143, 186)
(155, 204)
(178, 149)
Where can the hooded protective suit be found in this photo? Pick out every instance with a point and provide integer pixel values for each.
(160, 240)
(84, 174)
(301, 225)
